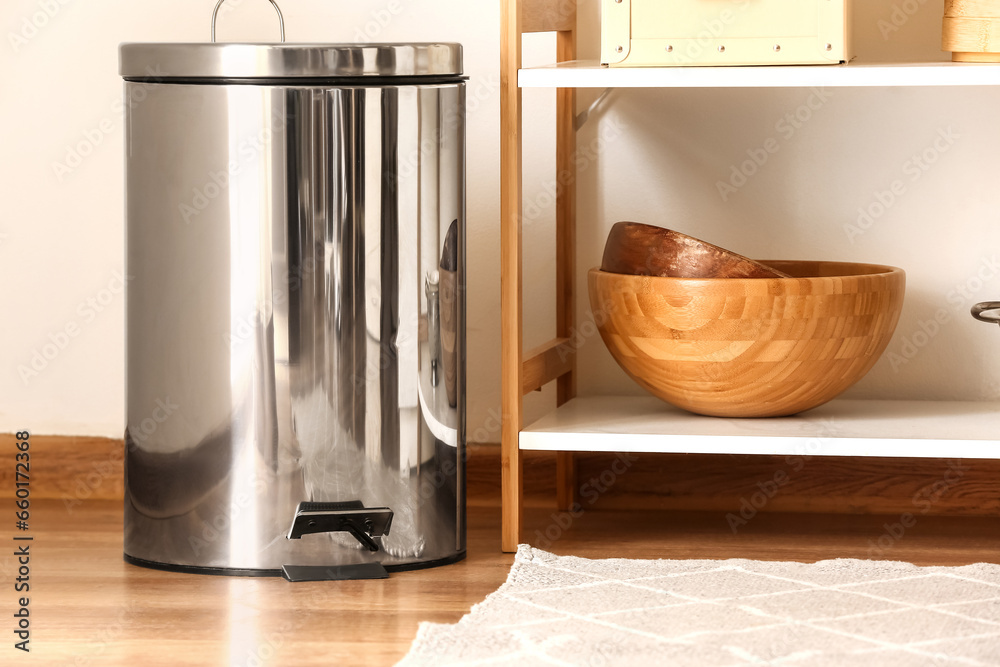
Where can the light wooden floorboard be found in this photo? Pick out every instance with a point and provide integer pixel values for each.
(88, 607)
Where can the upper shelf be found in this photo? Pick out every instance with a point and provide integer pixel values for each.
(589, 74)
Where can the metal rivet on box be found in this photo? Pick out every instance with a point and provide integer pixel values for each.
(722, 49)
(669, 48)
(619, 49)
(829, 47)
(777, 47)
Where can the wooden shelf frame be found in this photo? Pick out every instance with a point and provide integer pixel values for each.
(556, 360)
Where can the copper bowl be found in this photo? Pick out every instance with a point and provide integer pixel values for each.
(637, 249)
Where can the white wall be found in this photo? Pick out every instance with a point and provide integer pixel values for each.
(61, 234)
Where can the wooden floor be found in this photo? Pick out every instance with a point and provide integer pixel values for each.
(88, 607)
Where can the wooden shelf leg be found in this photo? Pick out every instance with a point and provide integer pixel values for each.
(546, 16)
(511, 483)
(512, 504)
(566, 487)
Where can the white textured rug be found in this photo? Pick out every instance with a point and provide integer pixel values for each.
(562, 610)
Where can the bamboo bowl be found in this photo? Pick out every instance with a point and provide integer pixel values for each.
(750, 347)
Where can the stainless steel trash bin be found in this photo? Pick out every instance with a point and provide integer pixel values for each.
(295, 217)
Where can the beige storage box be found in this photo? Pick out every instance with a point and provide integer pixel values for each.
(658, 33)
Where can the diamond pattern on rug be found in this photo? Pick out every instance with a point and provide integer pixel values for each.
(562, 610)
(600, 596)
(722, 583)
(985, 610)
(829, 604)
(601, 644)
(910, 626)
(768, 645)
(828, 572)
(930, 589)
(879, 658)
(982, 650)
(682, 621)
(518, 612)
(538, 577)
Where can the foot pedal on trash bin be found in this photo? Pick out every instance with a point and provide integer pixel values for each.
(353, 517)
(296, 573)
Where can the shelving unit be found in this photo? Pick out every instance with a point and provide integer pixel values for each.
(928, 429)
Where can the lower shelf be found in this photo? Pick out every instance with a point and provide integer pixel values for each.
(923, 429)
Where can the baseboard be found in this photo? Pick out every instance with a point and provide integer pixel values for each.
(748, 484)
(73, 469)
(70, 468)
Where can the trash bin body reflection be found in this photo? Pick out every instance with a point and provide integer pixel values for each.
(285, 208)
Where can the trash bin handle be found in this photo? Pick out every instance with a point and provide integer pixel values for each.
(281, 19)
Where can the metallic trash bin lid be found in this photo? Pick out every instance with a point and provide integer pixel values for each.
(261, 62)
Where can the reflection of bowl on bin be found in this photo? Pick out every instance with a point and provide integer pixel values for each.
(763, 347)
(449, 297)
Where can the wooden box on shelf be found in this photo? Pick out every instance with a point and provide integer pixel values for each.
(971, 30)
(654, 33)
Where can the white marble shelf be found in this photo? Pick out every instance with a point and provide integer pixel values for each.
(589, 74)
(922, 429)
